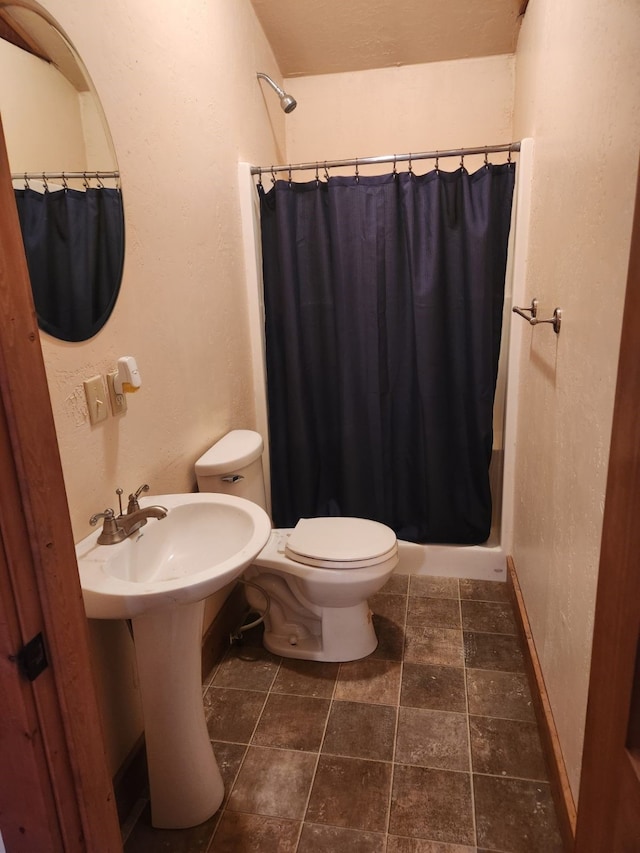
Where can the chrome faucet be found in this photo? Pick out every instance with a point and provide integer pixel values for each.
(133, 521)
(116, 529)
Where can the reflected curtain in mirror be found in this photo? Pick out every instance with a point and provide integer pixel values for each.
(74, 244)
(383, 301)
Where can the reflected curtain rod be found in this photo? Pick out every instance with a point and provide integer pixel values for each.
(51, 176)
(387, 158)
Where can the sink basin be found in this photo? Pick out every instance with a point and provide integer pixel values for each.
(159, 577)
(206, 541)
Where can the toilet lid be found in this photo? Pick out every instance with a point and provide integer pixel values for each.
(340, 543)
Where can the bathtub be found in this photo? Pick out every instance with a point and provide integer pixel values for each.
(475, 562)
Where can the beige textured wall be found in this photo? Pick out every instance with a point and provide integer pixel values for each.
(183, 104)
(179, 91)
(464, 103)
(577, 94)
(34, 95)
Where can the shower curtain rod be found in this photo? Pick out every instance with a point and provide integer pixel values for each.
(51, 176)
(387, 158)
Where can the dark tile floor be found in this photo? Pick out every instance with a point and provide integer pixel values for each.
(429, 745)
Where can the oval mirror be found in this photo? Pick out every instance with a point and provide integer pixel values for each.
(65, 174)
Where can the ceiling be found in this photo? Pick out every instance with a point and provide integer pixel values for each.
(26, 28)
(327, 36)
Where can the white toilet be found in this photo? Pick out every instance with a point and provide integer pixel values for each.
(317, 575)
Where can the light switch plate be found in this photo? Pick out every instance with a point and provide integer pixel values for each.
(96, 395)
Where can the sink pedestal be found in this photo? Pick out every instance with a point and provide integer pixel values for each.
(184, 780)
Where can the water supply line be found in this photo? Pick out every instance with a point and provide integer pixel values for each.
(236, 636)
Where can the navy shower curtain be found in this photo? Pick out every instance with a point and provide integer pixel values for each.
(383, 300)
(74, 244)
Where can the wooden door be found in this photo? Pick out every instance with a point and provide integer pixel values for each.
(609, 802)
(55, 790)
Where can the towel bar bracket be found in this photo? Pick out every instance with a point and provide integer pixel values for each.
(531, 316)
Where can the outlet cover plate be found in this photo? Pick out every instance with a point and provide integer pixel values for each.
(118, 401)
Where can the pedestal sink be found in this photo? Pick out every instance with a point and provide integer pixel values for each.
(159, 578)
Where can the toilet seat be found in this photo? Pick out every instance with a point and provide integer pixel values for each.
(340, 543)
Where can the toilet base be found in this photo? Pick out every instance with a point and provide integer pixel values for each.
(347, 634)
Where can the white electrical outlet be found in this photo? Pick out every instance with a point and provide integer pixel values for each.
(96, 395)
(118, 401)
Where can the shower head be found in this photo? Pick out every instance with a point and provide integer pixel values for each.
(287, 102)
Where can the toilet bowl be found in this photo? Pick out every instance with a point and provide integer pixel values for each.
(315, 577)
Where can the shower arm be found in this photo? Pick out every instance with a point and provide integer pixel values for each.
(261, 76)
(287, 102)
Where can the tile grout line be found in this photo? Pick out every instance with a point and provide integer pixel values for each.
(516, 778)
(397, 725)
(468, 715)
(226, 799)
(318, 754)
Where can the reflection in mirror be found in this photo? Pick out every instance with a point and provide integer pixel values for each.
(65, 172)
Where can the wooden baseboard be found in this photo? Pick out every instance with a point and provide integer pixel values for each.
(131, 781)
(559, 780)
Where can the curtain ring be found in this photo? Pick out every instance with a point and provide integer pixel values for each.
(357, 172)
(289, 174)
(410, 166)
(326, 171)
(437, 162)
(395, 171)
(486, 157)
(65, 185)
(273, 175)
(509, 157)
(85, 181)
(26, 181)
(317, 175)
(44, 181)
(100, 181)
(260, 176)
(462, 160)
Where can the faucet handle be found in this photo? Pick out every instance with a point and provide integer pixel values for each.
(111, 531)
(108, 515)
(133, 505)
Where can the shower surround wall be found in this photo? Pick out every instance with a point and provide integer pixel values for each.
(397, 110)
(470, 102)
(376, 112)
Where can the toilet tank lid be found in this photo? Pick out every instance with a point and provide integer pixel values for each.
(235, 450)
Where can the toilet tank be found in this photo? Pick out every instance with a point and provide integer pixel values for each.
(233, 466)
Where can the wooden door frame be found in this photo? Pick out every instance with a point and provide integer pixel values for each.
(609, 802)
(58, 795)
